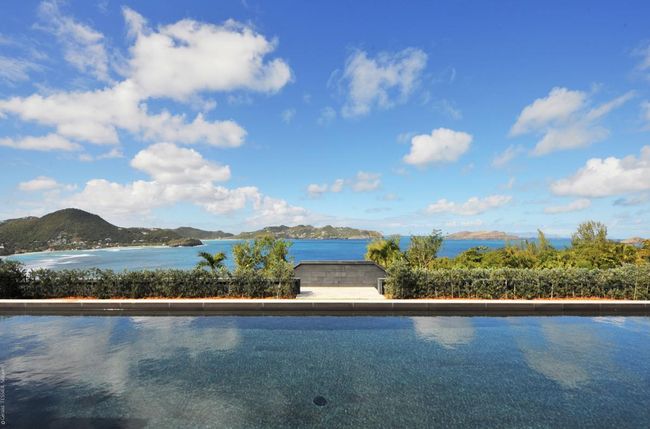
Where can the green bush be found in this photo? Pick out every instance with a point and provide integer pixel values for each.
(626, 282)
(16, 282)
(12, 276)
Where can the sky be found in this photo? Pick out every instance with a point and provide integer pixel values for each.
(402, 118)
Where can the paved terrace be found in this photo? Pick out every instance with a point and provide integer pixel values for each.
(328, 306)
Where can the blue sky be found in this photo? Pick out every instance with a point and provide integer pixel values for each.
(456, 115)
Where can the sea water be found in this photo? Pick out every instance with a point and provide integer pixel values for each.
(136, 258)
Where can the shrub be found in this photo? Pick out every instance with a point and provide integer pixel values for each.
(626, 282)
(15, 282)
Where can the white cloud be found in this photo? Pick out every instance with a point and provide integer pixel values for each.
(573, 206)
(187, 57)
(175, 61)
(502, 159)
(472, 206)
(366, 182)
(273, 211)
(168, 163)
(316, 191)
(380, 82)
(442, 145)
(564, 121)
(40, 183)
(83, 46)
(362, 182)
(337, 186)
(610, 176)
(180, 175)
(559, 105)
(327, 115)
(45, 143)
(288, 115)
(15, 70)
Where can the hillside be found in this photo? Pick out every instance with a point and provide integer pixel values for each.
(311, 232)
(189, 232)
(481, 235)
(77, 229)
(74, 229)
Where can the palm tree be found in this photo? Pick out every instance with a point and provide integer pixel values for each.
(214, 262)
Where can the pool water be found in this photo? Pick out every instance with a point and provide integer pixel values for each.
(325, 372)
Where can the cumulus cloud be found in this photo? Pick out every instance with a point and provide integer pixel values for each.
(187, 57)
(382, 81)
(168, 163)
(337, 186)
(573, 206)
(366, 182)
(606, 177)
(564, 120)
(180, 174)
(316, 191)
(49, 142)
(176, 61)
(559, 105)
(472, 206)
(442, 145)
(40, 183)
(83, 47)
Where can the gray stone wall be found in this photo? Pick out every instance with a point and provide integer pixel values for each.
(338, 273)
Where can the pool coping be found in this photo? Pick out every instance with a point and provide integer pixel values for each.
(340, 307)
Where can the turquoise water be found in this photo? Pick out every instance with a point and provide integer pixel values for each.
(185, 257)
(369, 372)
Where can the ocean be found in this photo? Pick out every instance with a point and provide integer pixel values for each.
(140, 258)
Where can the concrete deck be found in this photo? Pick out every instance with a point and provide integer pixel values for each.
(362, 293)
(330, 306)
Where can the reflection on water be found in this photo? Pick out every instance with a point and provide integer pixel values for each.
(449, 332)
(240, 372)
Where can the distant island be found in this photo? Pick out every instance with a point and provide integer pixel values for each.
(481, 235)
(72, 229)
(312, 233)
(634, 241)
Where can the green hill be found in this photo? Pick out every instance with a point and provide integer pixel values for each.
(189, 232)
(72, 229)
(78, 229)
(311, 232)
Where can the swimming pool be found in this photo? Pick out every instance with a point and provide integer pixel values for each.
(329, 372)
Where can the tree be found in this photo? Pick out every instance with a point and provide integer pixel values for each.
(213, 262)
(267, 254)
(424, 249)
(384, 251)
(589, 233)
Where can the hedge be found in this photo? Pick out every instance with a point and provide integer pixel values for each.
(95, 283)
(627, 282)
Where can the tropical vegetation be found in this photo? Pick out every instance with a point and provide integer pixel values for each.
(591, 267)
(590, 248)
(262, 270)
